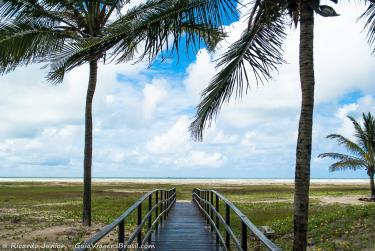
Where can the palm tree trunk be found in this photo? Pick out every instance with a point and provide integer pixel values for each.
(372, 186)
(86, 218)
(303, 153)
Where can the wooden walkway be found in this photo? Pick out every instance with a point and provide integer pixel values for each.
(184, 229)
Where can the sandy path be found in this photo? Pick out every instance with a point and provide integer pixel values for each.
(348, 199)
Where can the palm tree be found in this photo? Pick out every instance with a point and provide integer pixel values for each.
(362, 150)
(260, 49)
(67, 33)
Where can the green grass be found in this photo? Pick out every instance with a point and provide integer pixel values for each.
(35, 206)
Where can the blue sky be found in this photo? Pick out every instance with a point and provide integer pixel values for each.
(141, 114)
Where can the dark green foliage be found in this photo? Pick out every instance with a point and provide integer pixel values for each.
(362, 150)
(65, 34)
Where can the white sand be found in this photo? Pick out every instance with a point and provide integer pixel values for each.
(189, 181)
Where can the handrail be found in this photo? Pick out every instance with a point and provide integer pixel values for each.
(167, 200)
(205, 201)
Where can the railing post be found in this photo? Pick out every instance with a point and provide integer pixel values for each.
(121, 235)
(243, 236)
(208, 207)
(202, 202)
(205, 203)
(157, 209)
(227, 221)
(139, 221)
(175, 195)
(198, 194)
(211, 209)
(165, 203)
(150, 217)
(217, 216)
(200, 198)
(162, 205)
(168, 202)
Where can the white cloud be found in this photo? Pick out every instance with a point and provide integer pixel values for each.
(364, 104)
(141, 115)
(174, 140)
(198, 159)
(343, 111)
(153, 94)
(199, 74)
(219, 137)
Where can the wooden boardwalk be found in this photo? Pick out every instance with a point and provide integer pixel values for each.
(184, 229)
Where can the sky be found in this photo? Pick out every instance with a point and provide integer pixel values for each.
(142, 114)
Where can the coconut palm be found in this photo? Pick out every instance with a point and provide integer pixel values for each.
(259, 51)
(362, 150)
(67, 33)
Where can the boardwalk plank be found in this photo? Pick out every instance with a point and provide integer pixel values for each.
(185, 229)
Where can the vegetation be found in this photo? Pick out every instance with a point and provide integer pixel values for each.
(331, 226)
(363, 150)
(259, 49)
(67, 34)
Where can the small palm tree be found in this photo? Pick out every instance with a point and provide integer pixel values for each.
(362, 150)
(68, 33)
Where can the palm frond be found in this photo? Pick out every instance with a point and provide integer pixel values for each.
(344, 161)
(349, 145)
(359, 133)
(259, 48)
(345, 165)
(369, 16)
(12, 8)
(25, 43)
(161, 24)
(71, 55)
(48, 11)
(369, 136)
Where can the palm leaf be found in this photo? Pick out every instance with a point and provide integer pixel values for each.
(259, 47)
(47, 10)
(25, 43)
(369, 16)
(344, 162)
(349, 145)
(359, 133)
(345, 165)
(157, 22)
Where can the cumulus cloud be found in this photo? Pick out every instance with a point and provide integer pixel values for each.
(141, 115)
(199, 74)
(198, 159)
(152, 94)
(364, 104)
(174, 140)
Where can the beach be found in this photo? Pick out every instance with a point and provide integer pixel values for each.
(48, 211)
(184, 181)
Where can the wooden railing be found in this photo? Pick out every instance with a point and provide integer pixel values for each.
(208, 201)
(163, 202)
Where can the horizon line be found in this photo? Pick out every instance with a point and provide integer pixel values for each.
(166, 177)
